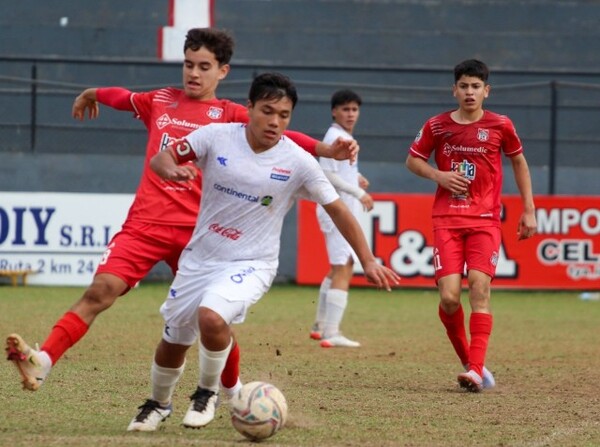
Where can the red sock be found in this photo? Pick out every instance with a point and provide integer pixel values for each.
(481, 328)
(231, 372)
(66, 332)
(455, 329)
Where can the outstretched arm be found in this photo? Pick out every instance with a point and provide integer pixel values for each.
(527, 222)
(340, 149)
(115, 97)
(345, 221)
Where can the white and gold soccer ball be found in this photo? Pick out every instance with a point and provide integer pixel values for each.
(258, 410)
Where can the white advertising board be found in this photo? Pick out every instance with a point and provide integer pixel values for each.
(59, 236)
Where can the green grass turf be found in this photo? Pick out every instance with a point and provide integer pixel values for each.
(398, 389)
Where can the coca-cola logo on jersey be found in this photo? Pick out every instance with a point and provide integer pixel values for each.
(228, 232)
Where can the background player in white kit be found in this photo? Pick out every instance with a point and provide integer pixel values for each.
(251, 178)
(333, 293)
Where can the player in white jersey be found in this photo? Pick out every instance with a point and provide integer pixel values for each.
(251, 177)
(333, 293)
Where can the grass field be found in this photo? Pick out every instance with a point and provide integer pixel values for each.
(398, 389)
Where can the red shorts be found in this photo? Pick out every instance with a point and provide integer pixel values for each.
(457, 249)
(138, 247)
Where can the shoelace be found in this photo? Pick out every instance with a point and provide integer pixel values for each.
(146, 409)
(200, 398)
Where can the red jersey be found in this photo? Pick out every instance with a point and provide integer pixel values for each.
(474, 150)
(169, 114)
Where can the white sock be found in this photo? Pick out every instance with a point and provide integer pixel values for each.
(45, 362)
(230, 392)
(164, 381)
(336, 305)
(212, 364)
(321, 306)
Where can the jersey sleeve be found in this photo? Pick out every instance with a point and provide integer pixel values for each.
(424, 144)
(116, 97)
(196, 144)
(316, 187)
(511, 143)
(142, 104)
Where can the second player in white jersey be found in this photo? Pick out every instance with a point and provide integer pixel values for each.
(347, 173)
(333, 293)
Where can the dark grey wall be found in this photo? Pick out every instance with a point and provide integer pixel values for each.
(102, 28)
(508, 33)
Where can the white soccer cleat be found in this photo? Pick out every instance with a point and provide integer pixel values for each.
(202, 408)
(471, 381)
(487, 380)
(150, 416)
(339, 341)
(29, 362)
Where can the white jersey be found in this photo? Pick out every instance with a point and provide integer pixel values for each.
(245, 196)
(346, 171)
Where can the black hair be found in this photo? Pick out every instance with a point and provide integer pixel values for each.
(471, 67)
(345, 96)
(272, 85)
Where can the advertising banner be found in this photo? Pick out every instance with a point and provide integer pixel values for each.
(564, 254)
(60, 237)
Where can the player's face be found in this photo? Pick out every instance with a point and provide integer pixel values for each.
(470, 92)
(201, 74)
(268, 119)
(346, 115)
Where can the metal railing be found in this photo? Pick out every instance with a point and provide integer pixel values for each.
(556, 113)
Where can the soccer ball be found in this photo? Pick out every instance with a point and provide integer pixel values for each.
(258, 410)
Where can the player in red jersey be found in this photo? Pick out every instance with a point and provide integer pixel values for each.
(162, 217)
(468, 143)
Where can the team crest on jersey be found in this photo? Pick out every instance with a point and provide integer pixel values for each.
(215, 113)
(483, 134)
(494, 258)
(163, 121)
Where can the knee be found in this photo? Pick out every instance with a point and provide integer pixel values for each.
(214, 331)
(449, 301)
(211, 322)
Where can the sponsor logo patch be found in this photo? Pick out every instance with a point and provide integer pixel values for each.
(281, 174)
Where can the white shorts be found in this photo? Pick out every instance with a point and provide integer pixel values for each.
(339, 250)
(228, 290)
